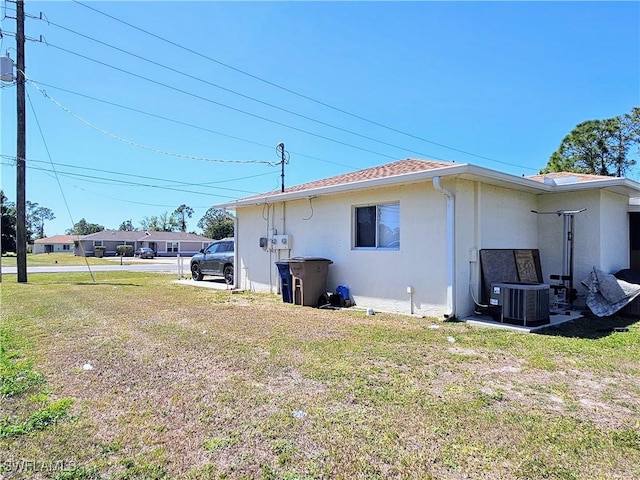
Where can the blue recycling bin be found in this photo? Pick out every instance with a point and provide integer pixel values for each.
(285, 281)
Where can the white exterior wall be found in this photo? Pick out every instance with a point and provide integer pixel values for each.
(488, 217)
(57, 248)
(601, 233)
(505, 218)
(376, 278)
(614, 232)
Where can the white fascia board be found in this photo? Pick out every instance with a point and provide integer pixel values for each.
(622, 186)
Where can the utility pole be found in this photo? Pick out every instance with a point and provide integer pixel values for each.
(283, 159)
(21, 149)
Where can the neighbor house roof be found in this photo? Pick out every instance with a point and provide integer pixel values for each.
(416, 170)
(59, 239)
(143, 236)
(559, 178)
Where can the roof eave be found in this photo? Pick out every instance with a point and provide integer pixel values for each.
(464, 171)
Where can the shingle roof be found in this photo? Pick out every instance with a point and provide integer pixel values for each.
(61, 239)
(124, 236)
(410, 165)
(579, 177)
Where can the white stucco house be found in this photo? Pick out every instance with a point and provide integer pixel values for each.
(54, 244)
(407, 236)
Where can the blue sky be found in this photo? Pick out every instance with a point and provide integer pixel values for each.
(502, 81)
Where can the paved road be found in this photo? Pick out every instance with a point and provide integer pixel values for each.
(164, 267)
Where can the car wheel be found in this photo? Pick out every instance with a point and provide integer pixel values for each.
(228, 274)
(196, 273)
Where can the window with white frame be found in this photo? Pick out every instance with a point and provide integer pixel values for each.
(172, 247)
(97, 243)
(66, 247)
(377, 226)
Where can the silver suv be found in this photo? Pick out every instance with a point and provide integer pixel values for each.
(216, 259)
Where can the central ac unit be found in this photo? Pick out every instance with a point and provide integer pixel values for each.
(522, 304)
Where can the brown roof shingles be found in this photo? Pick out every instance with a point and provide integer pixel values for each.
(57, 239)
(410, 165)
(580, 177)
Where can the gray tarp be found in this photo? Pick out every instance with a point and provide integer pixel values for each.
(606, 294)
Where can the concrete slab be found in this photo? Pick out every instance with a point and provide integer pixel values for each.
(216, 283)
(487, 321)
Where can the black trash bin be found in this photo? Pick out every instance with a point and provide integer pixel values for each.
(285, 281)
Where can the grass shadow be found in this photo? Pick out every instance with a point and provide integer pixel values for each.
(95, 284)
(591, 327)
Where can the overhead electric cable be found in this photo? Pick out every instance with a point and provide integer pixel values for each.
(221, 104)
(144, 177)
(135, 144)
(180, 122)
(116, 199)
(64, 198)
(124, 183)
(293, 92)
(228, 90)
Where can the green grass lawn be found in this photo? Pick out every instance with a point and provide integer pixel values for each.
(191, 383)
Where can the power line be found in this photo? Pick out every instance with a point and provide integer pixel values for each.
(219, 103)
(135, 144)
(125, 183)
(92, 192)
(234, 92)
(186, 124)
(293, 92)
(64, 197)
(144, 177)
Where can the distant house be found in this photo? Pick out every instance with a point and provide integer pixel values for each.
(410, 236)
(164, 244)
(55, 244)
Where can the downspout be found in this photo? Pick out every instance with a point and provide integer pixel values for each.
(451, 249)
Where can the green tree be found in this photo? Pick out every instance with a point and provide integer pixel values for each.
(160, 223)
(127, 226)
(599, 147)
(216, 224)
(36, 216)
(8, 212)
(182, 213)
(82, 227)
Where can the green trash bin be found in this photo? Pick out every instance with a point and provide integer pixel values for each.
(309, 280)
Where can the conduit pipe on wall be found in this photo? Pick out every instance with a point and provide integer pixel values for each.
(451, 250)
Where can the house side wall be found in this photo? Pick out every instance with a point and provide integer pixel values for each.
(614, 232)
(55, 248)
(323, 227)
(488, 217)
(506, 218)
(586, 236)
(600, 234)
